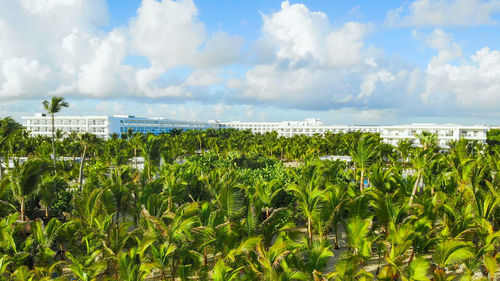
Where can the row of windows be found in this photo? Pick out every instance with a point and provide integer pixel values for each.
(67, 122)
(69, 129)
(154, 130)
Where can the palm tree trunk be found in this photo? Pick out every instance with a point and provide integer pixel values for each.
(149, 168)
(22, 209)
(205, 257)
(414, 191)
(362, 181)
(172, 270)
(336, 231)
(1, 168)
(80, 175)
(54, 144)
(309, 230)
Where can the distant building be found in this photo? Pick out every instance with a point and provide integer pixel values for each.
(105, 126)
(445, 133)
(309, 127)
(389, 134)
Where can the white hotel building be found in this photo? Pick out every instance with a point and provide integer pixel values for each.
(389, 134)
(105, 126)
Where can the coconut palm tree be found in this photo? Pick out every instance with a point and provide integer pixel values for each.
(223, 272)
(265, 192)
(22, 180)
(150, 148)
(86, 267)
(358, 237)
(449, 252)
(178, 231)
(55, 105)
(87, 140)
(272, 263)
(132, 266)
(309, 197)
(44, 237)
(8, 128)
(362, 153)
(335, 199)
(418, 158)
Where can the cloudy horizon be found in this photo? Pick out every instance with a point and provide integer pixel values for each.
(341, 61)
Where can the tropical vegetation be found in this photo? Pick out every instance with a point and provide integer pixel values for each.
(232, 205)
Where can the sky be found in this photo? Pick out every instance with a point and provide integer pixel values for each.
(345, 62)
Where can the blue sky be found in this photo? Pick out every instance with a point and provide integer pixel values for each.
(361, 62)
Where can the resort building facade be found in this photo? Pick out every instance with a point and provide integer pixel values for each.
(445, 133)
(390, 134)
(105, 126)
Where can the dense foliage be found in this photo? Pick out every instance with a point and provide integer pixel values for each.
(231, 205)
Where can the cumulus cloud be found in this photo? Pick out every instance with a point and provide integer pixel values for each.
(302, 62)
(444, 13)
(315, 66)
(169, 34)
(441, 41)
(471, 86)
(302, 35)
(59, 47)
(368, 85)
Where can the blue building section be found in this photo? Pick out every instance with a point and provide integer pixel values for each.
(122, 124)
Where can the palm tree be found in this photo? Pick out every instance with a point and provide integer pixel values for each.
(176, 230)
(419, 160)
(131, 265)
(362, 154)
(55, 105)
(87, 267)
(223, 272)
(44, 237)
(309, 198)
(449, 252)
(272, 263)
(86, 140)
(23, 179)
(358, 231)
(335, 199)
(428, 140)
(265, 192)
(7, 129)
(150, 148)
(315, 255)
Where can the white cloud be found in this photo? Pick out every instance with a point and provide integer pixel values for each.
(220, 49)
(297, 32)
(299, 35)
(203, 78)
(58, 47)
(344, 45)
(24, 77)
(315, 66)
(371, 80)
(105, 74)
(443, 42)
(167, 32)
(444, 13)
(473, 86)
